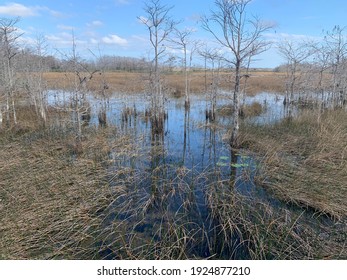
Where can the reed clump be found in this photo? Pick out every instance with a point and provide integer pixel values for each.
(247, 110)
(252, 110)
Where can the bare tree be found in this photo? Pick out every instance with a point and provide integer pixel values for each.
(183, 42)
(242, 36)
(295, 54)
(9, 36)
(321, 59)
(34, 69)
(211, 56)
(82, 75)
(336, 46)
(159, 25)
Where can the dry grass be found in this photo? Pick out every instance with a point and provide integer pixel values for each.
(135, 82)
(247, 110)
(47, 203)
(56, 203)
(304, 160)
(49, 196)
(252, 110)
(303, 163)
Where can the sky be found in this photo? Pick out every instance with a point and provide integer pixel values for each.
(112, 27)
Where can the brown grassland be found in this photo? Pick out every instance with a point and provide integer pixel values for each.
(134, 82)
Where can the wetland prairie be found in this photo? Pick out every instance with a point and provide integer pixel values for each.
(127, 193)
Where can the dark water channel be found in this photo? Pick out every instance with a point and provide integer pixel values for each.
(180, 176)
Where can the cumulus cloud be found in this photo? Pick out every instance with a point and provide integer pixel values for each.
(15, 9)
(20, 10)
(114, 40)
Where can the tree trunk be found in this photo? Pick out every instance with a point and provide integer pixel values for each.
(0, 118)
(234, 140)
(14, 112)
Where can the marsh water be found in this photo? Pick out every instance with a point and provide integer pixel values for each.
(174, 173)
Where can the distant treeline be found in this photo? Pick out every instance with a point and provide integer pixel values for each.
(26, 59)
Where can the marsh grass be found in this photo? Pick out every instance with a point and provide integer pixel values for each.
(303, 163)
(252, 110)
(247, 111)
(305, 159)
(95, 204)
(48, 199)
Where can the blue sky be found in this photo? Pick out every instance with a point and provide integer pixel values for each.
(112, 27)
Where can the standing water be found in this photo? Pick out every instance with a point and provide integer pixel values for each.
(181, 187)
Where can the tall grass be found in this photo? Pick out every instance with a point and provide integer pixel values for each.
(59, 204)
(303, 163)
(305, 159)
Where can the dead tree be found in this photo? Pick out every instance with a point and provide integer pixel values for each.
(9, 36)
(336, 46)
(213, 57)
(295, 55)
(242, 37)
(321, 60)
(80, 79)
(159, 25)
(182, 42)
(34, 83)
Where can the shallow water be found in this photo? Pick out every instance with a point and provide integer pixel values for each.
(181, 165)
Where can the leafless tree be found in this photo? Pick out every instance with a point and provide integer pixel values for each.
(321, 63)
(34, 69)
(212, 57)
(183, 42)
(9, 36)
(336, 47)
(159, 25)
(242, 36)
(82, 76)
(295, 53)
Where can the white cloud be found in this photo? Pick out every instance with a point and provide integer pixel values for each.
(276, 37)
(141, 39)
(65, 27)
(53, 38)
(94, 41)
(63, 39)
(20, 10)
(114, 40)
(15, 9)
(95, 23)
(27, 41)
